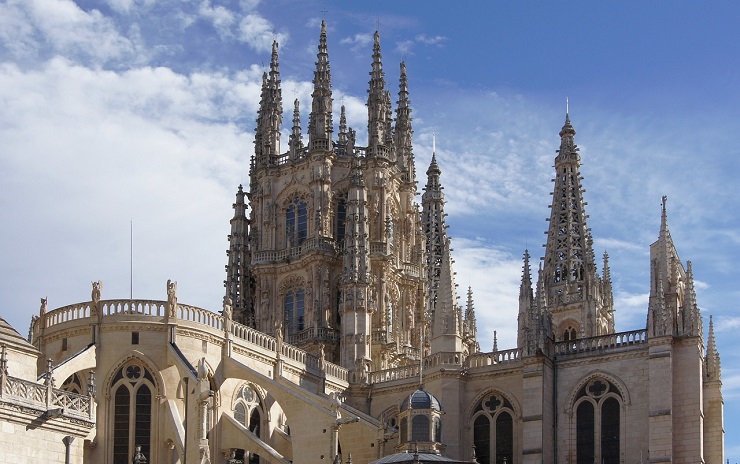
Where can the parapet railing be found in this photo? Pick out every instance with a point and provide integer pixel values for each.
(44, 398)
(601, 343)
(317, 333)
(493, 358)
(242, 334)
(308, 245)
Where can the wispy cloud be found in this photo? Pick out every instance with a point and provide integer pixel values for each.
(358, 42)
(259, 33)
(406, 46)
(40, 27)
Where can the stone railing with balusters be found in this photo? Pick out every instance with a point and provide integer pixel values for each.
(44, 398)
(312, 244)
(315, 333)
(213, 322)
(494, 358)
(602, 343)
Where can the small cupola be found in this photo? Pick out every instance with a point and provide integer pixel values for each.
(420, 423)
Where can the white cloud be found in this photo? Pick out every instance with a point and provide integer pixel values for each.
(85, 150)
(358, 43)
(494, 276)
(62, 27)
(259, 33)
(221, 18)
(426, 40)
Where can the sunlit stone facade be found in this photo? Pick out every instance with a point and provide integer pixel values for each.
(341, 338)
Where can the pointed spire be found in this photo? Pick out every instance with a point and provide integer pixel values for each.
(712, 360)
(495, 342)
(526, 302)
(377, 105)
(435, 229)
(296, 139)
(320, 125)
(270, 115)
(403, 130)
(470, 324)
(569, 268)
(343, 135)
(238, 280)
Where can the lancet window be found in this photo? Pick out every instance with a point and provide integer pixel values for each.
(296, 222)
(493, 430)
(598, 423)
(248, 411)
(294, 306)
(132, 390)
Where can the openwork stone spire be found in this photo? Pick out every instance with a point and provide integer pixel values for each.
(320, 125)
(446, 315)
(237, 281)
(270, 116)
(571, 282)
(404, 132)
(378, 106)
(296, 139)
(526, 302)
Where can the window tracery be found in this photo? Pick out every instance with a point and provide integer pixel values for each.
(249, 411)
(493, 430)
(296, 222)
(598, 422)
(132, 390)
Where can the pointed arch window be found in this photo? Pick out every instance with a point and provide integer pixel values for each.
(598, 423)
(131, 388)
(294, 306)
(296, 222)
(493, 430)
(248, 411)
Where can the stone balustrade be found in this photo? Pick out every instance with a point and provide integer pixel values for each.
(312, 244)
(493, 358)
(602, 343)
(201, 316)
(139, 307)
(317, 333)
(43, 398)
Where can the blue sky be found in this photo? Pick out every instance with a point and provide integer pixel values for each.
(143, 110)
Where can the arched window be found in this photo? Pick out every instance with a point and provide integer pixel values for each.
(296, 222)
(294, 306)
(493, 430)
(248, 412)
(598, 423)
(132, 388)
(569, 334)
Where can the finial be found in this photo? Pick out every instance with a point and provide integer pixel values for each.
(567, 106)
(323, 15)
(434, 143)
(495, 341)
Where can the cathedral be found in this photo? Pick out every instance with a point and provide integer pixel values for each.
(342, 339)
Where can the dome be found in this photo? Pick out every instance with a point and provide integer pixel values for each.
(420, 399)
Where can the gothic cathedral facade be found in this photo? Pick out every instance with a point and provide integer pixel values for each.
(341, 337)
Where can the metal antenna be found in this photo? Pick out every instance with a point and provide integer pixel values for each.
(567, 109)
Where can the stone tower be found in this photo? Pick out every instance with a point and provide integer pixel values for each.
(335, 254)
(578, 300)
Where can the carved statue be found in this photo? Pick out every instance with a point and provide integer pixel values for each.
(279, 331)
(42, 309)
(172, 298)
(96, 287)
(227, 314)
(322, 358)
